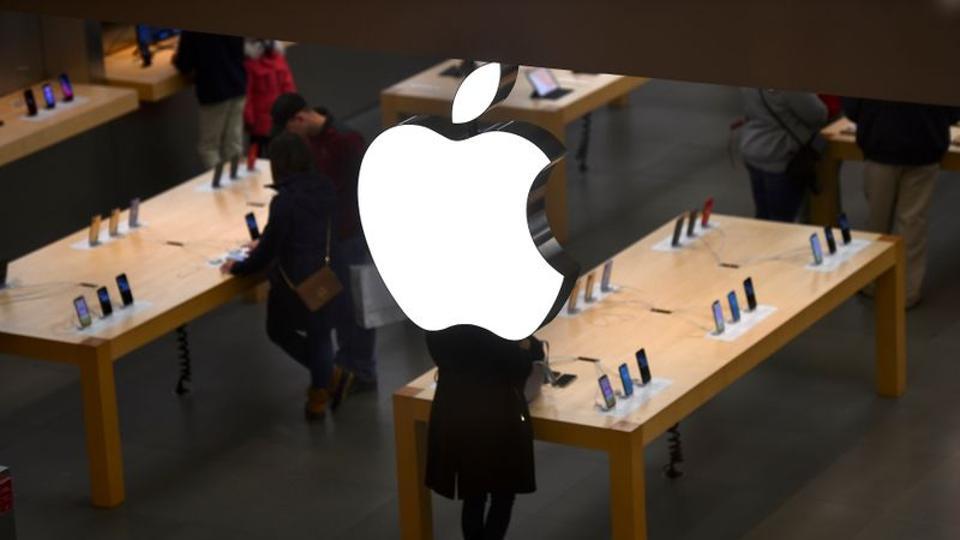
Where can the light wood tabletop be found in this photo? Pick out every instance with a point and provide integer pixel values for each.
(92, 106)
(171, 285)
(430, 92)
(689, 367)
(841, 136)
(155, 82)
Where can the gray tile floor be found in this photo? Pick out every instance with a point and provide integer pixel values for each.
(799, 448)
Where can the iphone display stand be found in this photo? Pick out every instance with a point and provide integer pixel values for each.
(119, 315)
(748, 319)
(642, 394)
(844, 253)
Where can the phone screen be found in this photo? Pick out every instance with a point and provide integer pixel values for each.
(133, 218)
(626, 380)
(707, 210)
(718, 316)
(691, 222)
(608, 396)
(817, 250)
(30, 101)
(605, 278)
(104, 296)
(748, 289)
(734, 306)
(252, 226)
(48, 96)
(677, 229)
(831, 243)
(65, 87)
(543, 81)
(844, 228)
(125, 293)
(643, 365)
(83, 312)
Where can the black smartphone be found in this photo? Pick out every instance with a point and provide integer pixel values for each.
(609, 399)
(831, 243)
(626, 380)
(718, 316)
(217, 175)
(66, 88)
(692, 222)
(643, 365)
(252, 226)
(734, 306)
(48, 98)
(30, 101)
(123, 284)
(751, 297)
(817, 250)
(677, 229)
(104, 296)
(83, 312)
(564, 379)
(844, 228)
(3, 272)
(234, 167)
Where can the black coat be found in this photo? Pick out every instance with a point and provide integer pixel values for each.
(216, 62)
(480, 438)
(906, 134)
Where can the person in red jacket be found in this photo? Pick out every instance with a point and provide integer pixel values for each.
(268, 77)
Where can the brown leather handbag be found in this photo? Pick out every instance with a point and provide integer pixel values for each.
(320, 287)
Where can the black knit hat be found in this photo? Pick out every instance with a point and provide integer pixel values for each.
(284, 108)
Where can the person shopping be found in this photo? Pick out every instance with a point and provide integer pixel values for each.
(293, 246)
(480, 439)
(781, 127)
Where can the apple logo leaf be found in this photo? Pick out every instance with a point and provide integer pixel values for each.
(483, 87)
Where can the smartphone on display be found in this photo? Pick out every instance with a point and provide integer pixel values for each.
(83, 311)
(626, 380)
(48, 98)
(104, 296)
(94, 234)
(252, 153)
(114, 224)
(734, 306)
(707, 210)
(677, 229)
(217, 175)
(66, 88)
(572, 301)
(691, 222)
(588, 289)
(817, 250)
(718, 317)
(234, 167)
(831, 243)
(133, 217)
(609, 399)
(123, 284)
(844, 228)
(751, 297)
(543, 82)
(252, 226)
(643, 366)
(30, 101)
(605, 277)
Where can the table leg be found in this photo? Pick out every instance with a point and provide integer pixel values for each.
(628, 512)
(416, 512)
(102, 430)
(825, 206)
(891, 320)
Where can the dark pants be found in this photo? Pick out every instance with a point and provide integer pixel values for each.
(303, 335)
(494, 526)
(775, 196)
(354, 343)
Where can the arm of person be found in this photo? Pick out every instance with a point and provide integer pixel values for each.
(808, 108)
(268, 247)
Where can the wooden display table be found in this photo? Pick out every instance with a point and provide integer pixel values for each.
(171, 285)
(689, 367)
(155, 82)
(92, 106)
(842, 139)
(429, 92)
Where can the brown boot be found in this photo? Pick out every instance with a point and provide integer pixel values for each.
(316, 407)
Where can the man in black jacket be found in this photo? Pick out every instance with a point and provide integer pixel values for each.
(216, 64)
(903, 144)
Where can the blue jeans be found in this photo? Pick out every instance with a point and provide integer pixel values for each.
(303, 335)
(775, 196)
(355, 343)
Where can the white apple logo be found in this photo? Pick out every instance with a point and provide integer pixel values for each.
(457, 228)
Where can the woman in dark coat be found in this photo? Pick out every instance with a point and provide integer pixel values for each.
(480, 440)
(294, 242)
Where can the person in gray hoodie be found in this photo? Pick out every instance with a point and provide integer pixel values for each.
(778, 124)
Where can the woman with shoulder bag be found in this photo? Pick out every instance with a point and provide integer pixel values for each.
(780, 144)
(295, 247)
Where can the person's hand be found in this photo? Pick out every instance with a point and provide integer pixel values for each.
(252, 245)
(227, 266)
